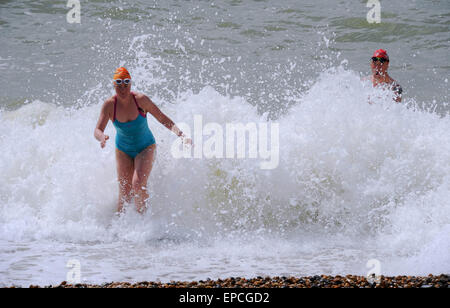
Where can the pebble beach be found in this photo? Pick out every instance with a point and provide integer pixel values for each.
(323, 281)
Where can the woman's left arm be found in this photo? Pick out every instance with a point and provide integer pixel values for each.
(398, 92)
(147, 104)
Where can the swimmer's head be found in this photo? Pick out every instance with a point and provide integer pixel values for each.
(121, 73)
(381, 53)
(122, 82)
(379, 62)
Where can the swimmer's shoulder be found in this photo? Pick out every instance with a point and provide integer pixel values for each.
(139, 96)
(109, 102)
(108, 106)
(143, 100)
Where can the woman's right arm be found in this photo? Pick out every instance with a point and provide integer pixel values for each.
(101, 124)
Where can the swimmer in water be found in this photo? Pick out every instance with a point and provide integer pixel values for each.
(135, 143)
(379, 63)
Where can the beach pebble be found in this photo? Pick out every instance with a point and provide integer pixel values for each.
(323, 281)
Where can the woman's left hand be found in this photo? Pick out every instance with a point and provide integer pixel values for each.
(187, 141)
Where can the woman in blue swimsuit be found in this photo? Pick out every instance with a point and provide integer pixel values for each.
(135, 144)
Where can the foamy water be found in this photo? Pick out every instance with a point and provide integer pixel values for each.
(356, 181)
(359, 177)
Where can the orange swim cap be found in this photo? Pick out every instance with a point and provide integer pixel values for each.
(121, 73)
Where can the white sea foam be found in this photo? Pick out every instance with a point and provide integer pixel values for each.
(355, 181)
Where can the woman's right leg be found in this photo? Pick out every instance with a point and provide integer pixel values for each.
(125, 169)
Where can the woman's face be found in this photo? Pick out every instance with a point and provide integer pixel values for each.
(379, 67)
(122, 90)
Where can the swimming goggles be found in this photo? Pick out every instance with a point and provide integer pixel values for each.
(382, 60)
(122, 81)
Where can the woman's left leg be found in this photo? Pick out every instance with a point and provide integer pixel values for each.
(143, 164)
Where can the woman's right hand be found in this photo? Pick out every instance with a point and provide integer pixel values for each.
(103, 140)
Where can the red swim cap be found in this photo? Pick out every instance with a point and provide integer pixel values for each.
(381, 53)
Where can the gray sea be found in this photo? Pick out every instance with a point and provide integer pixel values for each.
(355, 181)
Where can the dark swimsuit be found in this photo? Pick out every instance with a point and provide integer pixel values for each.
(397, 89)
(134, 136)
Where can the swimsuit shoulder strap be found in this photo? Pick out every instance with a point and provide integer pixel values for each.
(137, 106)
(115, 104)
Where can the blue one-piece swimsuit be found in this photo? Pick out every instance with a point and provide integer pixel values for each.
(134, 136)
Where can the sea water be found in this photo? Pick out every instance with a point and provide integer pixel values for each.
(359, 177)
